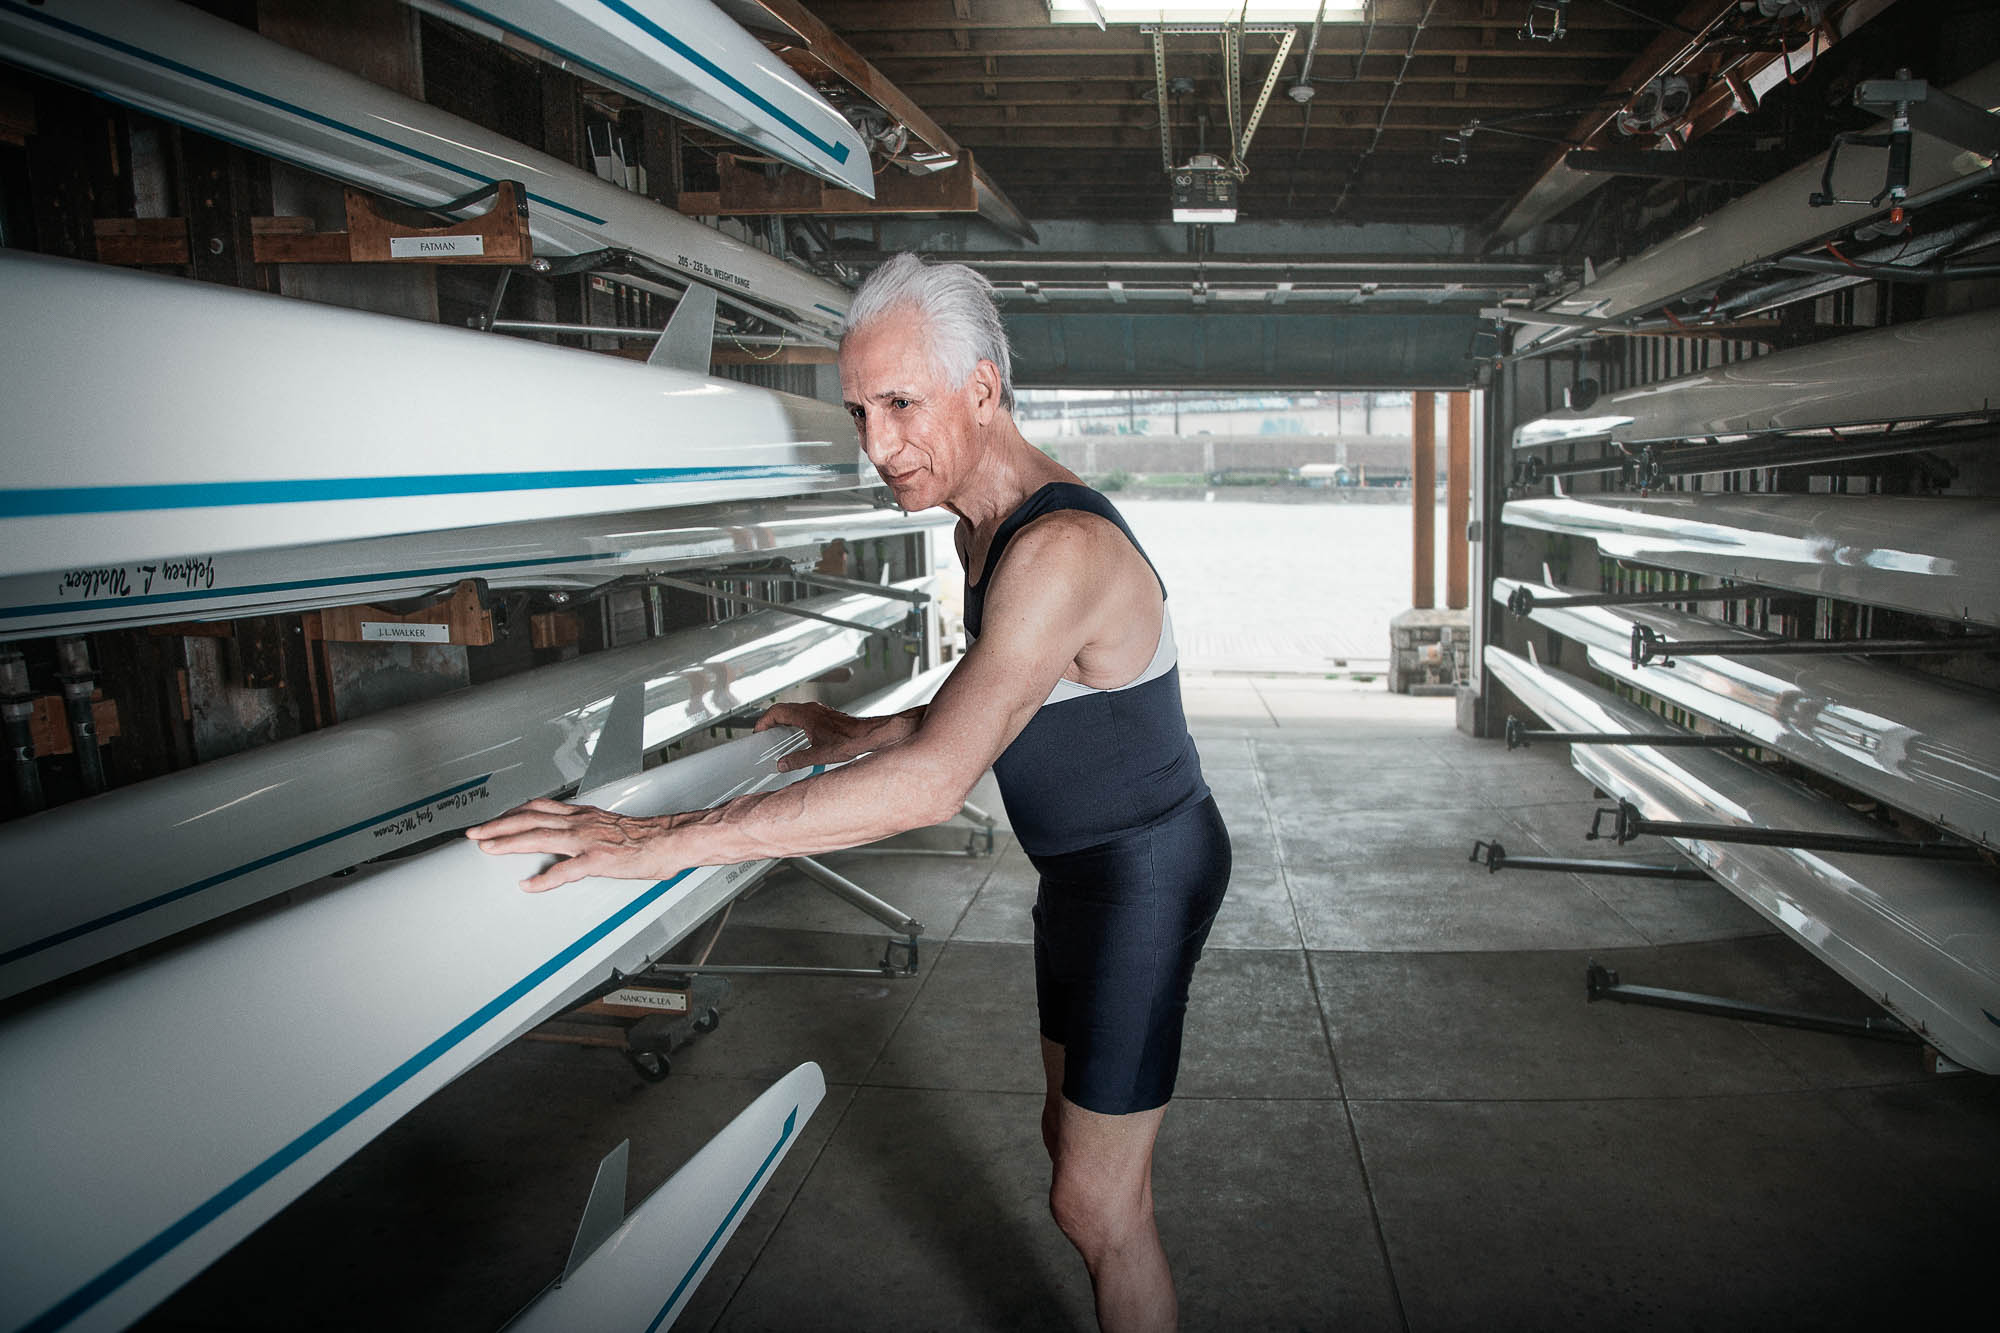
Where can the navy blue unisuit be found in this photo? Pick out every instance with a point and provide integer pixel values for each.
(1105, 793)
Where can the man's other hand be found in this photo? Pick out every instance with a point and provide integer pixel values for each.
(834, 736)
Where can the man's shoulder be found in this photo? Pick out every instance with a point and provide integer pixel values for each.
(1064, 535)
(1068, 558)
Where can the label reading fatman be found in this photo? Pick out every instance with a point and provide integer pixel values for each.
(432, 247)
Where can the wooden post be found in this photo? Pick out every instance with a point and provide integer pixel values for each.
(1458, 497)
(1423, 500)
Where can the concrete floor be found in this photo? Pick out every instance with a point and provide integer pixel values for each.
(1396, 1110)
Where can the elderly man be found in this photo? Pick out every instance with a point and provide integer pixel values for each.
(1069, 692)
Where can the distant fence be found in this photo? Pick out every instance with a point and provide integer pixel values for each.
(1384, 458)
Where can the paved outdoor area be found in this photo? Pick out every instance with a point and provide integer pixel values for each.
(1396, 1110)
(1266, 587)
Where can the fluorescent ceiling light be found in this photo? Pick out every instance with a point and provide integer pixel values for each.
(1204, 215)
(1100, 12)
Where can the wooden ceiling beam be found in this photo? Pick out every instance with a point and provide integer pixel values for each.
(874, 16)
(1593, 72)
(832, 52)
(1003, 42)
(967, 120)
(1424, 140)
(949, 99)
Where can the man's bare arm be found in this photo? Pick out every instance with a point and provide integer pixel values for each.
(1036, 622)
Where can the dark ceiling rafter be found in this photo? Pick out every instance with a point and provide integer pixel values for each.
(1065, 116)
(1680, 47)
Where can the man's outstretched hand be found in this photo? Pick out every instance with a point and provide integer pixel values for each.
(834, 736)
(595, 842)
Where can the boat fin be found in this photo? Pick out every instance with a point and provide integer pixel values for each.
(688, 341)
(621, 747)
(1548, 575)
(646, 1272)
(603, 1211)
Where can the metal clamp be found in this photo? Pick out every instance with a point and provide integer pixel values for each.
(1910, 103)
(1556, 12)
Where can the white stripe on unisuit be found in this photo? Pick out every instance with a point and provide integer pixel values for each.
(1165, 656)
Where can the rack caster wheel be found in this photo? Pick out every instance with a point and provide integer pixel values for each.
(651, 1065)
(709, 1021)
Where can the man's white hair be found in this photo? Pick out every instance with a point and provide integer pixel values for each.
(956, 304)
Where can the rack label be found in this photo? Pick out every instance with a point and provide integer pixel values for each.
(672, 1001)
(431, 247)
(393, 631)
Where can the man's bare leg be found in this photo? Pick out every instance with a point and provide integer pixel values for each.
(1052, 1077)
(1102, 1198)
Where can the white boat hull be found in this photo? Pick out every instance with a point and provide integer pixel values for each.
(1924, 745)
(344, 425)
(687, 57)
(1920, 938)
(646, 1271)
(1936, 556)
(176, 62)
(1926, 370)
(154, 1118)
(232, 832)
(572, 553)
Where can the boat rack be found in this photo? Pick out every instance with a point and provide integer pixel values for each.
(378, 232)
(651, 1012)
(1909, 923)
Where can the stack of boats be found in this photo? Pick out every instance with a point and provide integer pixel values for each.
(1917, 733)
(181, 451)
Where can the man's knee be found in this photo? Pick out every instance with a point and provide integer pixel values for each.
(1093, 1212)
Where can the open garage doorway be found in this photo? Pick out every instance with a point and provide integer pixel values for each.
(1282, 522)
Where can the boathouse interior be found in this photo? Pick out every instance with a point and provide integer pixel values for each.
(1569, 434)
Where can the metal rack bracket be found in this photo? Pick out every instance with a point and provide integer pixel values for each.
(1519, 737)
(1649, 645)
(1628, 824)
(1601, 983)
(1496, 859)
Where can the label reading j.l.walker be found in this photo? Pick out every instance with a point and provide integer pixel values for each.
(431, 247)
(673, 1001)
(391, 631)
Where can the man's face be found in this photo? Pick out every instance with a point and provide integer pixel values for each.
(919, 432)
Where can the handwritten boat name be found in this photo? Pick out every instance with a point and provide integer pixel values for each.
(429, 814)
(183, 575)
